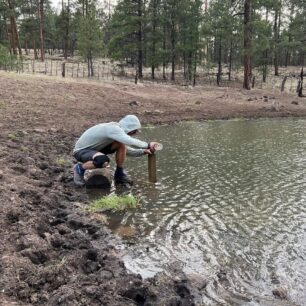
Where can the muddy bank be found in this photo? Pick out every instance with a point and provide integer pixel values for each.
(52, 251)
(73, 106)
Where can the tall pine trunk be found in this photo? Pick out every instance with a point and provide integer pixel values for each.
(190, 68)
(140, 35)
(41, 29)
(172, 52)
(195, 69)
(276, 28)
(164, 54)
(154, 40)
(90, 70)
(219, 61)
(67, 20)
(35, 50)
(15, 42)
(230, 60)
(247, 44)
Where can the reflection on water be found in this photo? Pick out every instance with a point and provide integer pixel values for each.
(230, 198)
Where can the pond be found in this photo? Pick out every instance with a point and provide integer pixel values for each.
(230, 205)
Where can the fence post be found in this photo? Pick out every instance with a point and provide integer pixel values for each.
(253, 81)
(63, 70)
(283, 84)
(11, 64)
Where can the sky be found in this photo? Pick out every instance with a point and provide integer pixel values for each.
(57, 3)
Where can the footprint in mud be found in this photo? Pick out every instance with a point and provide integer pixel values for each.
(43, 229)
(59, 216)
(76, 223)
(13, 216)
(43, 165)
(19, 169)
(36, 256)
(139, 295)
(31, 195)
(126, 231)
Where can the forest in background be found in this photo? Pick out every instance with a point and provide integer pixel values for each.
(160, 34)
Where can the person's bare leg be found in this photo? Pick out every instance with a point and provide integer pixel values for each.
(120, 149)
(90, 165)
(120, 175)
(79, 170)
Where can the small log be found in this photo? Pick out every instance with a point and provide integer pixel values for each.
(98, 178)
(152, 168)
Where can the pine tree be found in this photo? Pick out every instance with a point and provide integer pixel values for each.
(247, 38)
(90, 38)
(126, 31)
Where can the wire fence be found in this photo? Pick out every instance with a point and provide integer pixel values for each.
(104, 69)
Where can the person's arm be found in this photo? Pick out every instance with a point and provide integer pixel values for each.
(119, 135)
(135, 152)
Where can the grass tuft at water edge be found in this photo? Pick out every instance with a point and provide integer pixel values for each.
(114, 203)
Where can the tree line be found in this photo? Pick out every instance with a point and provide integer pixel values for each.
(182, 35)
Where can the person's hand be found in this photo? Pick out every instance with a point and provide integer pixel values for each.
(152, 145)
(147, 151)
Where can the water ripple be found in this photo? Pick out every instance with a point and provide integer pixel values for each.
(231, 197)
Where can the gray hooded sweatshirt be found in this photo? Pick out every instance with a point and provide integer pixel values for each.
(101, 135)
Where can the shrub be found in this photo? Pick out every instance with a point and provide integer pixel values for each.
(7, 60)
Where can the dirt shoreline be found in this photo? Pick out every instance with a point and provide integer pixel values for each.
(52, 251)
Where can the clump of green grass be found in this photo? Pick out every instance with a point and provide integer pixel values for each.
(55, 265)
(62, 162)
(2, 105)
(12, 136)
(24, 149)
(114, 203)
(149, 126)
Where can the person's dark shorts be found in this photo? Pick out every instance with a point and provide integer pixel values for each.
(86, 155)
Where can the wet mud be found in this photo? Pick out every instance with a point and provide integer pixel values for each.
(52, 251)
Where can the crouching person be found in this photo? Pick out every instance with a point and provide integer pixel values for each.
(95, 144)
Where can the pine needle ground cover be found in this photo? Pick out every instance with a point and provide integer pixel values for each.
(114, 203)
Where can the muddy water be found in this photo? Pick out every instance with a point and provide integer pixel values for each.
(230, 206)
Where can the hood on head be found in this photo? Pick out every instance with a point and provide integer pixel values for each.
(130, 123)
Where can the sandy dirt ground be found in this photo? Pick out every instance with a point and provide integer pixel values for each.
(53, 252)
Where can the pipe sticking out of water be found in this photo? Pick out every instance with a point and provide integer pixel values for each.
(152, 163)
(152, 168)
